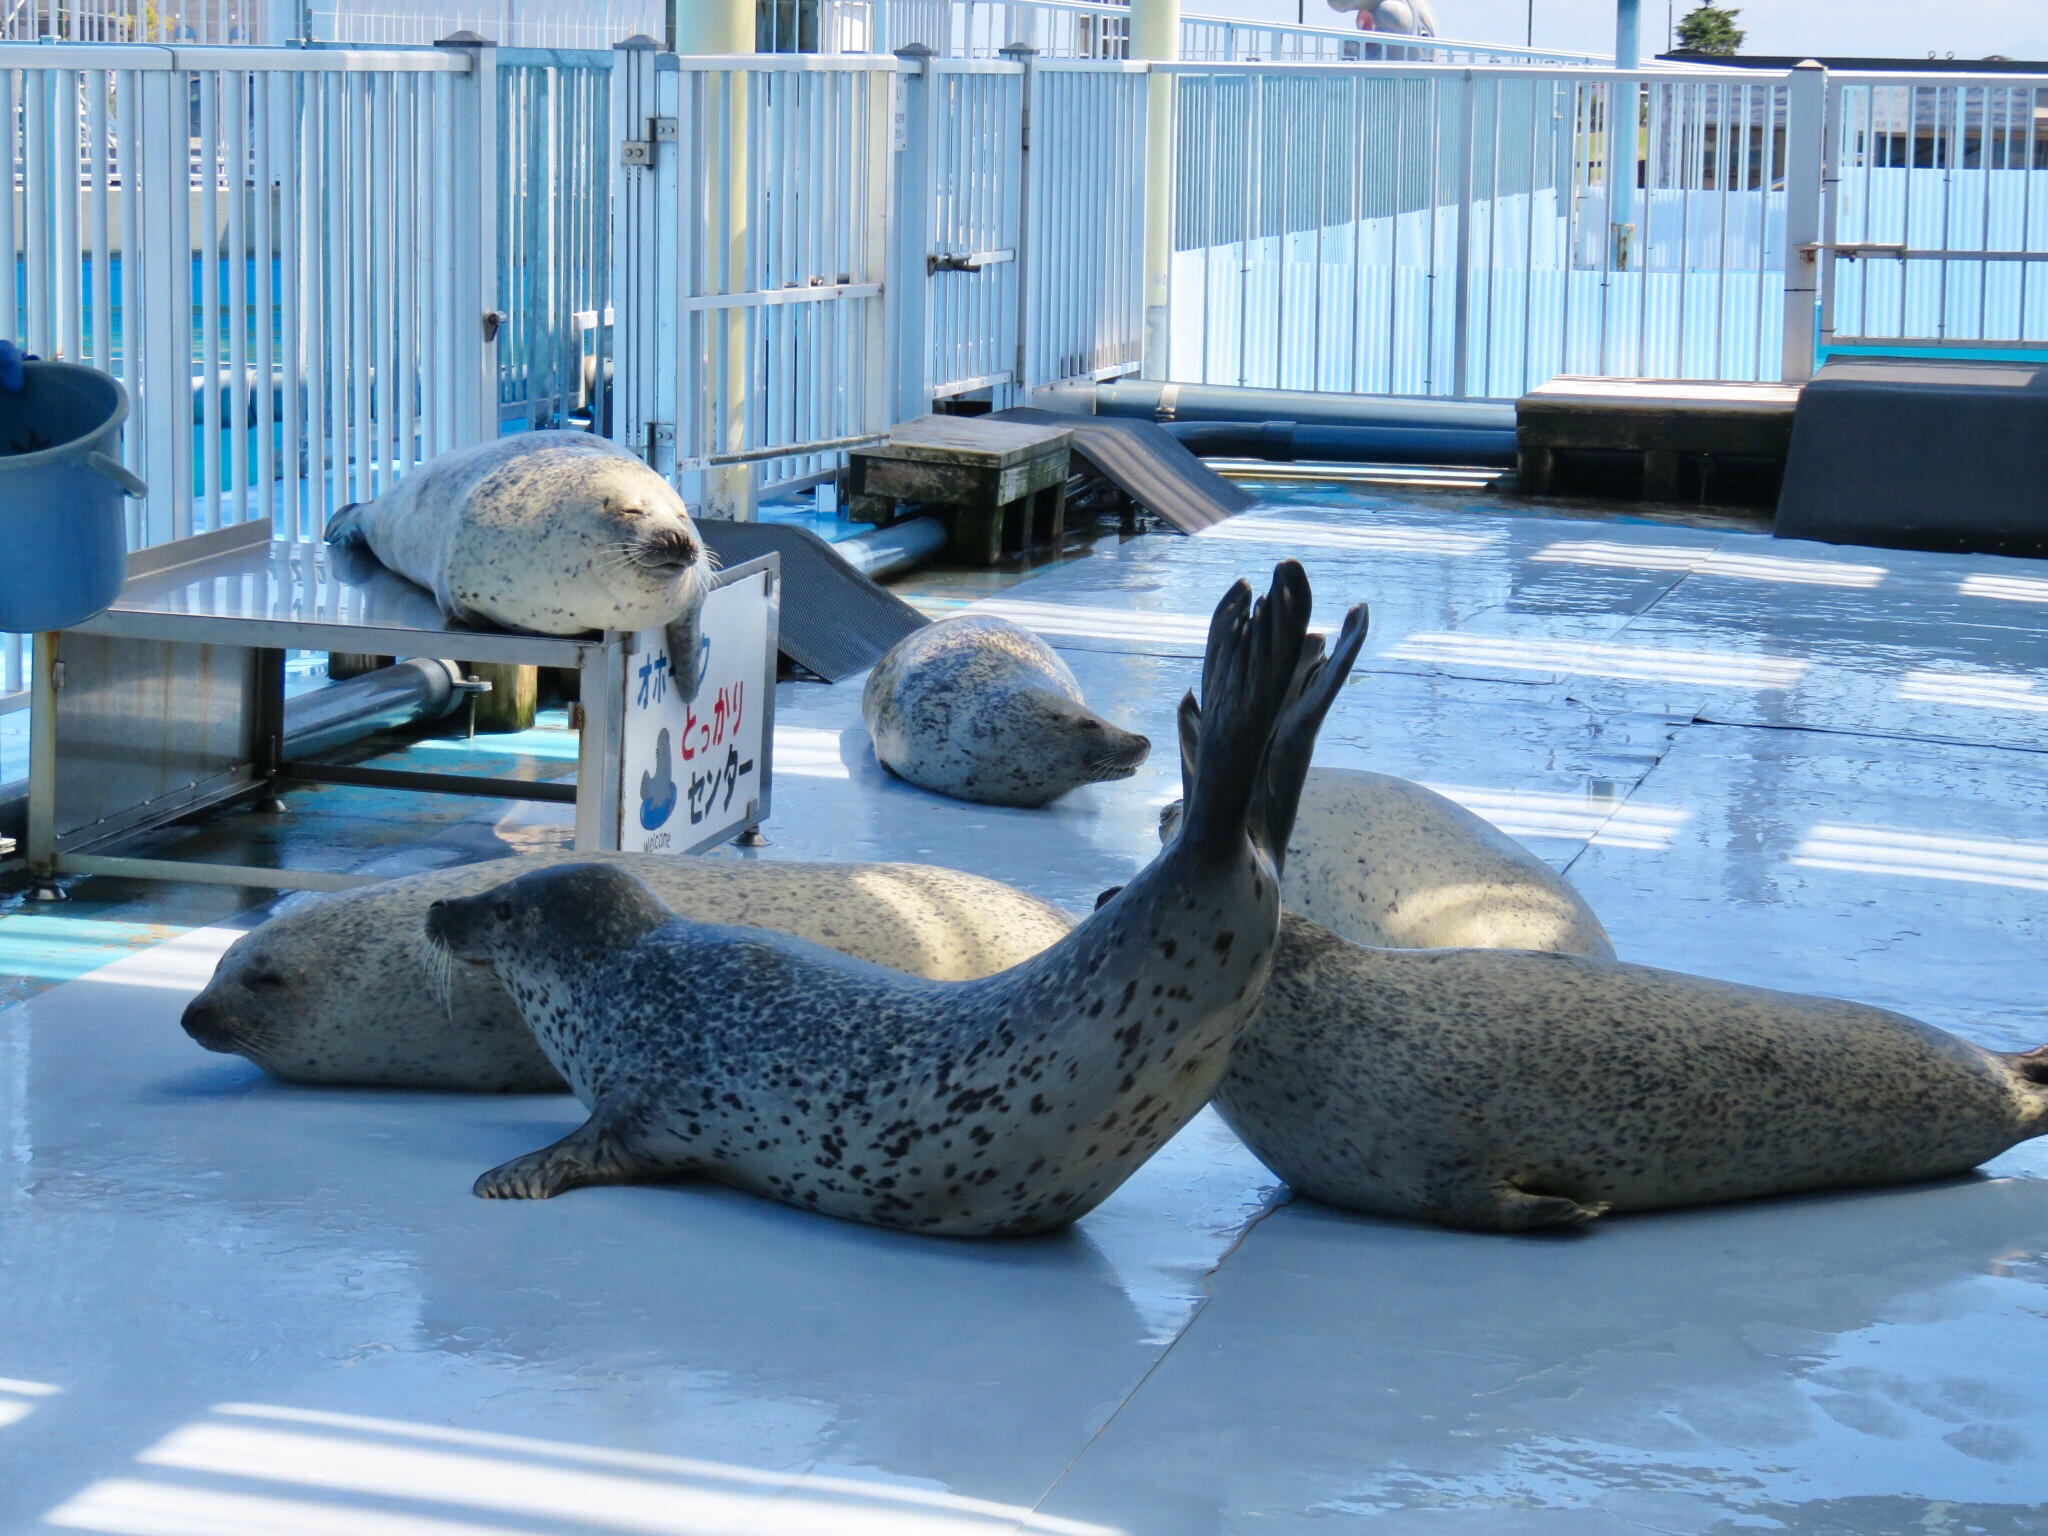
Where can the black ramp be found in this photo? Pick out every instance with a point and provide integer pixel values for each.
(1148, 464)
(1920, 454)
(835, 621)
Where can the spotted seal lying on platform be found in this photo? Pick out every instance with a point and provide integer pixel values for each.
(558, 533)
(982, 709)
(1383, 861)
(1506, 1089)
(338, 990)
(1008, 1105)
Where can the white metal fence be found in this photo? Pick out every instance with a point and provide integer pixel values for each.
(1938, 215)
(283, 256)
(554, 169)
(1417, 230)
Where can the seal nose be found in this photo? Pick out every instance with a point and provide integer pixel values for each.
(207, 1022)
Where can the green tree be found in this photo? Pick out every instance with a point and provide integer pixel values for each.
(1710, 29)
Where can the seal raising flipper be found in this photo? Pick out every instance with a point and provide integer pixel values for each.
(1007, 1105)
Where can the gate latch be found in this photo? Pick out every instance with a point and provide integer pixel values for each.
(973, 261)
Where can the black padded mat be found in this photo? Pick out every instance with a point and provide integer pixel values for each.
(835, 621)
(1920, 454)
(1148, 464)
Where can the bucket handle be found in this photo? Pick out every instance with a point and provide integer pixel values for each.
(130, 482)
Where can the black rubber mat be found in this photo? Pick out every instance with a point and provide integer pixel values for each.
(1145, 461)
(1920, 454)
(835, 621)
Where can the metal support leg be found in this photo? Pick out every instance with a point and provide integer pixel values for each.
(44, 678)
(269, 731)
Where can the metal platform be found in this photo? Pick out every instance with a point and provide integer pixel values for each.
(1666, 421)
(172, 700)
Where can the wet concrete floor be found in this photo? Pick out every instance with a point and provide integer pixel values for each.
(235, 1306)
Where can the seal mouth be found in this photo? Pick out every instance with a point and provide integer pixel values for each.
(211, 1025)
(668, 551)
(1121, 762)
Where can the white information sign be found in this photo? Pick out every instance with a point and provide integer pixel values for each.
(694, 774)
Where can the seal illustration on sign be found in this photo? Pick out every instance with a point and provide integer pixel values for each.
(658, 786)
(1009, 1105)
(979, 708)
(557, 533)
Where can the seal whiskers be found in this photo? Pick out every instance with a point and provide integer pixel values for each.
(1007, 1105)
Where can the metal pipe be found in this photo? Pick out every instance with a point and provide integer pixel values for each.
(884, 552)
(1224, 402)
(418, 689)
(1288, 441)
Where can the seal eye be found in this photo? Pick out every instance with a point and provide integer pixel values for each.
(503, 911)
(265, 981)
(632, 511)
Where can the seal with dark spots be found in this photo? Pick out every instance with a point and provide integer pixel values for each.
(1007, 1105)
(982, 709)
(338, 990)
(558, 533)
(1384, 861)
(1507, 1089)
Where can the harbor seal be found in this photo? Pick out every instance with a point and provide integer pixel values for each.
(558, 533)
(1009, 1105)
(1506, 1089)
(338, 990)
(982, 709)
(1383, 861)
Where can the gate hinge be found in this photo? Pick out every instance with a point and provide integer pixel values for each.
(660, 130)
(660, 434)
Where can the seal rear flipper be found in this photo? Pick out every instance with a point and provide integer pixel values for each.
(1252, 654)
(2031, 1068)
(599, 1151)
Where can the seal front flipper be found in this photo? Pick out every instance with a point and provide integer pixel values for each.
(599, 1151)
(1507, 1207)
(685, 640)
(345, 527)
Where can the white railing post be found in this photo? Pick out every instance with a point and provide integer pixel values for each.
(164, 314)
(472, 166)
(909, 280)
(1025, 317)
(1155, 37)
(1461, 296)
(1806, 157)
(643, 247)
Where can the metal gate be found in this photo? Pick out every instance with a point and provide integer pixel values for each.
(962, 205)
(1936, 227)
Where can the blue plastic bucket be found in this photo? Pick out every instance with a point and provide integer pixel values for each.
(61, 484)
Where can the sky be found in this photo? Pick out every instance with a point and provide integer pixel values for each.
(1893, 28)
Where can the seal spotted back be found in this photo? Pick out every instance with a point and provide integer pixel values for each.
(981, 709)
(1008, 1105)
(334, 990)
(558, 533)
